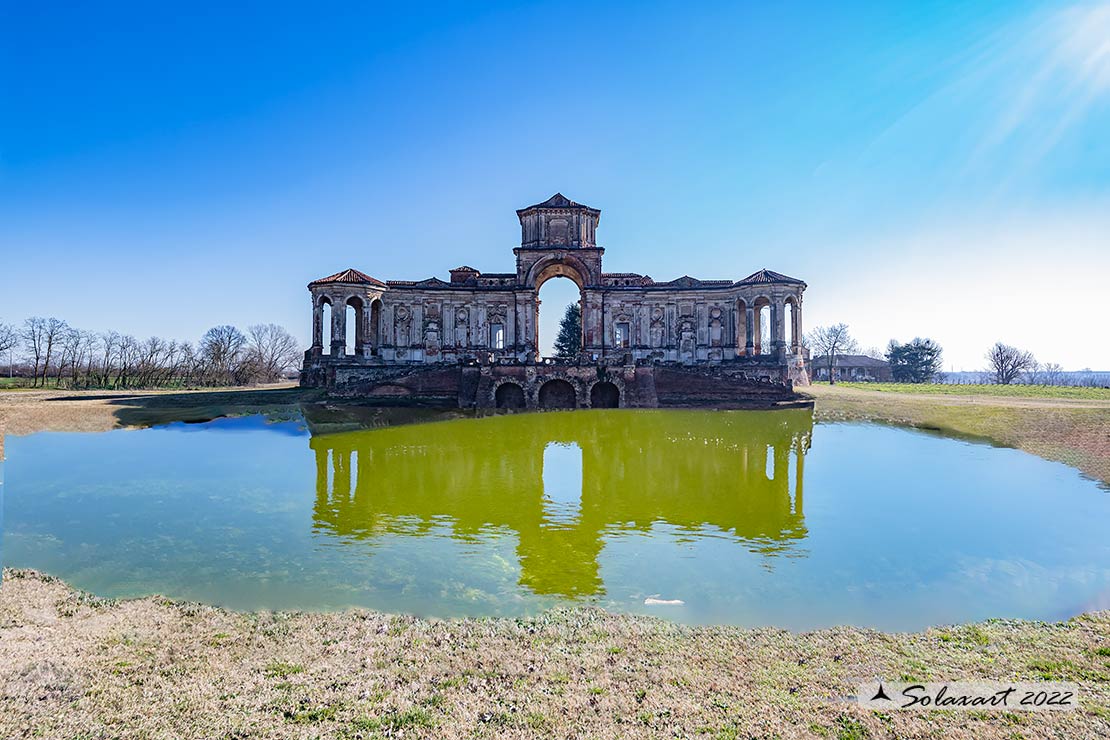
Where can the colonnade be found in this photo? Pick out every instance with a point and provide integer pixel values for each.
(752, 334)
(366, 329)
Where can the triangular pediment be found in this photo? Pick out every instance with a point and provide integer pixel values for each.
(350, 276)
(766, 276)
(557, 201)
(685, 282)
(432, 282)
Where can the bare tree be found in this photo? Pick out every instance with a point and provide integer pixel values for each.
(41, 337)
(221, 347)
(127, 354)
(1033, 375)
(830, 341)
(8, 339)
(190, 364)
(53, 332)
(1007, 363)
(33, 335)
(109, 343)
(272, 350)
(71, 353)
(92, 348)
(58, 353)
(1052, 374)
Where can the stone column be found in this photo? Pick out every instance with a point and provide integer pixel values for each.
(317, 326)
(365, 347)
(749, 330)
(778, 328)
(338, 330)
(756, 336)
(796, 329)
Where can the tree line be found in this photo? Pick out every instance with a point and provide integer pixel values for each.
(919, 360)
(50, 352)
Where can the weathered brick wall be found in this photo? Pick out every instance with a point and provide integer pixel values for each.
(435, 386)
(692, 387)
(459, 386)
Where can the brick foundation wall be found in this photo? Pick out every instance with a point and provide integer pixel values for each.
(652, 386)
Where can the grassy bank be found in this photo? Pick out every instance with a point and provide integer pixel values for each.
(1072, 431)
(73, 665)
(999, 391)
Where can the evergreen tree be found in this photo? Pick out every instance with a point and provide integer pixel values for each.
(569, 341)
(914, 362)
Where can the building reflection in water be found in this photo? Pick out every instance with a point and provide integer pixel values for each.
(565, 482)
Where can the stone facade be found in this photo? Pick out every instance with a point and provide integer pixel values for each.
(491, 319)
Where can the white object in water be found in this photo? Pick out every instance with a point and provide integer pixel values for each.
(653, 601)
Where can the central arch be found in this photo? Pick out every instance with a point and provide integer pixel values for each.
(548, 321)
(563, 265)
(557, 394)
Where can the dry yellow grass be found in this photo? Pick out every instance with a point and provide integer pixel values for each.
(72, 666)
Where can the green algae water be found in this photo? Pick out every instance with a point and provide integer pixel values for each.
(750, 518)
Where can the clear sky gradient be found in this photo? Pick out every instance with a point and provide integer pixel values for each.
(934, 169)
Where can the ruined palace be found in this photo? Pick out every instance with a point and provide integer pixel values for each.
(473, 340)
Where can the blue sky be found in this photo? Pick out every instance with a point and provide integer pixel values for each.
(936, 169)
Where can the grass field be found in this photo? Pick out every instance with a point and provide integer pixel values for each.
(1005, 391)
(1075, 431)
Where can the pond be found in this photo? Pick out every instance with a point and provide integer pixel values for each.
(746, 517)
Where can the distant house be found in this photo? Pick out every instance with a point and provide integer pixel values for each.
(858, 368)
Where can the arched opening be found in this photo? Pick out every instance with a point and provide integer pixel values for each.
(375, 328)
(556, 304)
(557, 394)
(509, 396)
(356, 332)
(788, 323)
(761, 332)
(605, 395)
(325, 325)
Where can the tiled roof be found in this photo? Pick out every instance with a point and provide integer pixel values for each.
(856, 361)
(350, 275)
(690, 282)
(557, 201)
(765, 276)
(464, 268)
(683, 282)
